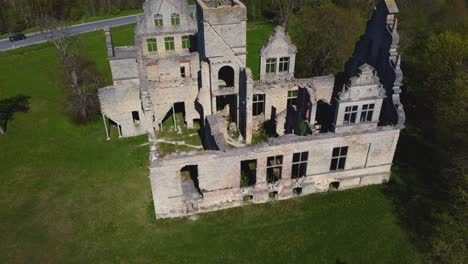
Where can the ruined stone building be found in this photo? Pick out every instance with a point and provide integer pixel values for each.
(325, 133)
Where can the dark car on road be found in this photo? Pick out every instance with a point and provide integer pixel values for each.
(17, 37)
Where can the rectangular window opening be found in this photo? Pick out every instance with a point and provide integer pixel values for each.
(183, 74)
(271, 66)
(158, 20)
(175, 19)
(284, 64)
(152, 45)
(274, 168)
(248, 173)
(338, 161)
(136, 117)
(299, 165)
(258, 104)
(169, 43)
(186, 42)
(350, 114)
(367, 113)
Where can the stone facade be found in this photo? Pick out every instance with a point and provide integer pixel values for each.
(325, 134)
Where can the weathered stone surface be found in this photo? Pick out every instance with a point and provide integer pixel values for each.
(210, 82)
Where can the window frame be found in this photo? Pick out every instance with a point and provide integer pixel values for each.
(270, 65)
(152, 45)
(169, 43)
(175, 19)
(350, 115)
(256, 100)
(367, 113)
(292, 97)
(158, 20)
(270, 169)
(186, 44)
(338, 159)
(300, 161)
(284, 63)
(183, 72)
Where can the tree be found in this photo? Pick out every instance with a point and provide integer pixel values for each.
(325, 37)
(82, 82)
(10, 106)
(437, 84)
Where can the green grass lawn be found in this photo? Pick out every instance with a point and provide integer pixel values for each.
(257, 36)
(68, 195)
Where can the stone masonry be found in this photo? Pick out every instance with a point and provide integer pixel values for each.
(324, 133)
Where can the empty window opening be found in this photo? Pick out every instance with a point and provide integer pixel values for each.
(274, 168)
(136, 117)
(183, 74)
(225, 77)
(258, 104)
(190, 173)
(284, 64)
(334, 186)
(175, 19)
(299, 165)
(152, 45)
(350, 114)
(175, 117)
(271, 65)
(158, 20)
(227, 104)
(324, 117)
(115, 129)
(248, 173)
(169, 43)
(297, 191)
(292, 98)
(338, 161)
(367, 113)
(247, 198)
(273, 195)
(186, 42)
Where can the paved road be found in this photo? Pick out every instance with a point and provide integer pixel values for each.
(40, 37)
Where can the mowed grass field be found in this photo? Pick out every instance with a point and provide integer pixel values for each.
(69, 196)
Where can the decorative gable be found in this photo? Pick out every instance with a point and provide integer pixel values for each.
(363, 86)
(278, 43)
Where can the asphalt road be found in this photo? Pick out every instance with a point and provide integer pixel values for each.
(40, 37)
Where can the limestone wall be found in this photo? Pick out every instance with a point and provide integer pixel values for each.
(368, 161)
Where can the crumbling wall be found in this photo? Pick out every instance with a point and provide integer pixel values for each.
(369, 161)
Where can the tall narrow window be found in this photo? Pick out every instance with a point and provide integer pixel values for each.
(338, 160)
(136, 117)
(271, 65)
(367, 113)
(169, 43)
(284, 64)
(183, 74)
(350, 114)
(299, 165)
(158, 20)
(248, 173)
(292, 98)
(258, 104)
(152, 45)
(175, 19)
(274, 168)
(186, 42)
